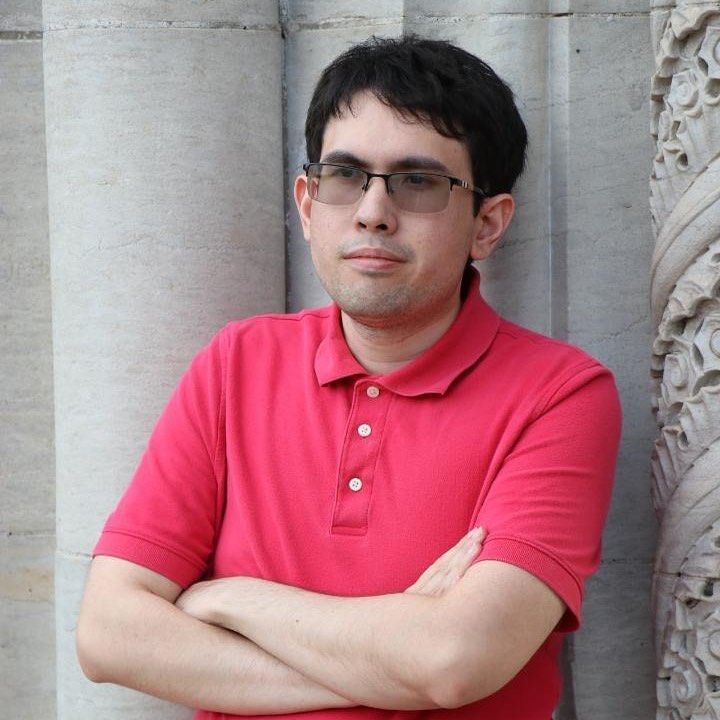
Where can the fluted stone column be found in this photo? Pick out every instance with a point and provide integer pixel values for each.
(27, 478)
(165, 177)
(685, 188)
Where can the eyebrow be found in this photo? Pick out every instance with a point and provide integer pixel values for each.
(410, 162)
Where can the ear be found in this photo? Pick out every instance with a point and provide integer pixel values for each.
(490, 224)
(303, 204)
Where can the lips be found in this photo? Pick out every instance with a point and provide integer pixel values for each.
(372, 253)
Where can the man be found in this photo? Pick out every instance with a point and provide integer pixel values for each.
(390, 504)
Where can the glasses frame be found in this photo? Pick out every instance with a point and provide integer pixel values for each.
(453, 182)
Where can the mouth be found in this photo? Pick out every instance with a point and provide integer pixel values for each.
(373, 260)
(373, 253)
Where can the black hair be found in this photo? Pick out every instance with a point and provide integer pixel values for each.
(432, 81)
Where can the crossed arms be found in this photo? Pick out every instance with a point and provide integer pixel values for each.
(247, 646)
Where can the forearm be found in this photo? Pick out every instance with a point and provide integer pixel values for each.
(457, 635)
(379, 651)
(148, 644)
(399, 651)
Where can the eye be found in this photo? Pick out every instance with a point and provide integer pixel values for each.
(341, 172)
(416, 180)
(420, 181)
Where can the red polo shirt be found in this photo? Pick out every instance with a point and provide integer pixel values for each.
(279, 457)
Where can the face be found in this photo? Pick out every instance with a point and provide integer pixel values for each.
(381, 265)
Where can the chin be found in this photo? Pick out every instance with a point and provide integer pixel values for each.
(390, 304)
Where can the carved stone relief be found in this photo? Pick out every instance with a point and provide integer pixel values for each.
(685, 188)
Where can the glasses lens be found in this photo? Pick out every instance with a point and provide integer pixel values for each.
(412, 192)
(420, 192)
(335, 184)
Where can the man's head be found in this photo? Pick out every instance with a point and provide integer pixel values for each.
(413, 146)
(431, 81)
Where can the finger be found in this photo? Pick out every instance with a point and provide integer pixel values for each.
(463, 560)
(460, 562)
(426, 582)
(450, 566)
(435, 572)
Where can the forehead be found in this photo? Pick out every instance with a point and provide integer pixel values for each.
(381, 137)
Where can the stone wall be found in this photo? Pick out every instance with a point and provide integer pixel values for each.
(173, 130)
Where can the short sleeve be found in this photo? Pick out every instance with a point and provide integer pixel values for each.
(168, 517)
(547, 505)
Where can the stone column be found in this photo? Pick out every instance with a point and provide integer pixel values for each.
(27, 478)
(685, 187)
(165, 177)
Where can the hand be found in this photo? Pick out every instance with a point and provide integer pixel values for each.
(447, 570)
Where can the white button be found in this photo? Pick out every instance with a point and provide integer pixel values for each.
(364, 430)
(372, 391)
(355, 484)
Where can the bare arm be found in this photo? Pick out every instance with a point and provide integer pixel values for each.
(130, 633)
(403, 651)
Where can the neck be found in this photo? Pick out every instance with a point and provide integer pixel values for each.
(380, 349)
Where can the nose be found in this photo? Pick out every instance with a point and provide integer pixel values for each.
(376, 211)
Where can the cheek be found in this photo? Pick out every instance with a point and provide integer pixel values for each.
(323, 248)
(453, 239)
(327, 226)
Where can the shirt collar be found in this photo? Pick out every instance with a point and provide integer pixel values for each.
(433, 371)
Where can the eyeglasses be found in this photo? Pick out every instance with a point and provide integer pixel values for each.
(415, 192)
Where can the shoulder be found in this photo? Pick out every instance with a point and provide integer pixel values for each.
(532, 350)
(280, 323)
(275, 329)
(258, 342)
(523, 338)
(548, 369)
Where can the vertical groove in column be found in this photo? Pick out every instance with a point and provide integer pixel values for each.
(558, 140)
(288, 197)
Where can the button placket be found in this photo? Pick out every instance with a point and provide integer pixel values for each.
(358, 461)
